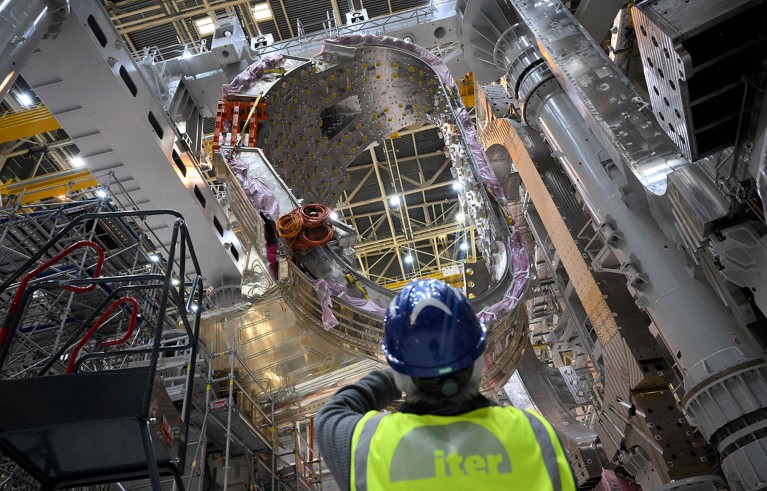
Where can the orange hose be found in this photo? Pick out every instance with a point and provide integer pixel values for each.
(314, 237)
(289, 226)
(314, 215)
(306, 227)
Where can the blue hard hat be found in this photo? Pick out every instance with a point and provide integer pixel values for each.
(430, 330)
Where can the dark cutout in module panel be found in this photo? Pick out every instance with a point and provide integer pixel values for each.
(179, 163)
(199, 196)
(128, 81)
(218, 226)
(155, 125)
(100, 36)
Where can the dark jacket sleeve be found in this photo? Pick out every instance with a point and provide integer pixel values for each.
(336, 420)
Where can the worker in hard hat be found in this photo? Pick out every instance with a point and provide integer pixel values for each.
(446, 436)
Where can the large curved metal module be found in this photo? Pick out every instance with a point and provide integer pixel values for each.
(323, 113)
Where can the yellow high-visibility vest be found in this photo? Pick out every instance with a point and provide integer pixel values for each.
(488, 448)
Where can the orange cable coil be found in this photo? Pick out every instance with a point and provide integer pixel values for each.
(306, 227)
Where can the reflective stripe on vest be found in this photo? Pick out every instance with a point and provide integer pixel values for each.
(547, 448)
(369, 427)
(489, 448)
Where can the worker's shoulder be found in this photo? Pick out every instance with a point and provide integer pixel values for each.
(488, 412)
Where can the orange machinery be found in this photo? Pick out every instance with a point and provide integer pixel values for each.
(231, 117)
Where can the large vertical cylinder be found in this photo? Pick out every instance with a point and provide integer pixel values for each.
(692, 321)
(23, 23)
(725, 377)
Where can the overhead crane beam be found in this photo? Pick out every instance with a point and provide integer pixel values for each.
(15, 126)
(48, 186)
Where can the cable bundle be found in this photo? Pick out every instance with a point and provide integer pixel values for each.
(306, 227)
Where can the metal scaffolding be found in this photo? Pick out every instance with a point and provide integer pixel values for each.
(237, 417)
(76, 235)
(66, 311)
(129, 248)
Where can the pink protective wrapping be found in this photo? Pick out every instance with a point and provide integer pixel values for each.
(520, 267)
(613, 482)
(442, 71)
(326, 289)
(258, 193)
(475, 147)
(363, 304)
(251, 75)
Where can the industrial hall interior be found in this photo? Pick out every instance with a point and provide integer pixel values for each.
(208, 209)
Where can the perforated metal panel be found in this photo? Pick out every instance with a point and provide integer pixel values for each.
(695, 54)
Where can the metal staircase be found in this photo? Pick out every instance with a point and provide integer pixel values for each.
(119, 417)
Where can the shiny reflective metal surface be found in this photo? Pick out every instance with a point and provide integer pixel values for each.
(22, 25)
(281, 351)
(548, 399)
(322, 114)
(603, 95)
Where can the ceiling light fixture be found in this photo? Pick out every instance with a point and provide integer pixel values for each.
(77, 162)
(464, 245)
(154, 258)
(408, 259)
(101, 193)
(394, 200)
(460, 217)
(205, 26)
(262, 12)
(334, 215)
(25, 99)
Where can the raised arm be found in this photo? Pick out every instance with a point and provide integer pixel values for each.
(336, 420)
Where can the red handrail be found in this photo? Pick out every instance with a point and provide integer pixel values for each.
(99, 322)
(27, 277)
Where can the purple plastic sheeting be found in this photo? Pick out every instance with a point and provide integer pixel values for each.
(363, 304)
(475, 146)
(613, 482)
(326, 289)
(260, 196)
(442, 71)
(251, 75)
(520, 267)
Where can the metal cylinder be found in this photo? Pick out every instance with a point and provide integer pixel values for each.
(656, 268)
(725, 376)
(23, 23)
(693, 323)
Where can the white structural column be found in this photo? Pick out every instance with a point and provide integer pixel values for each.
(23, 23)
(91, 84)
